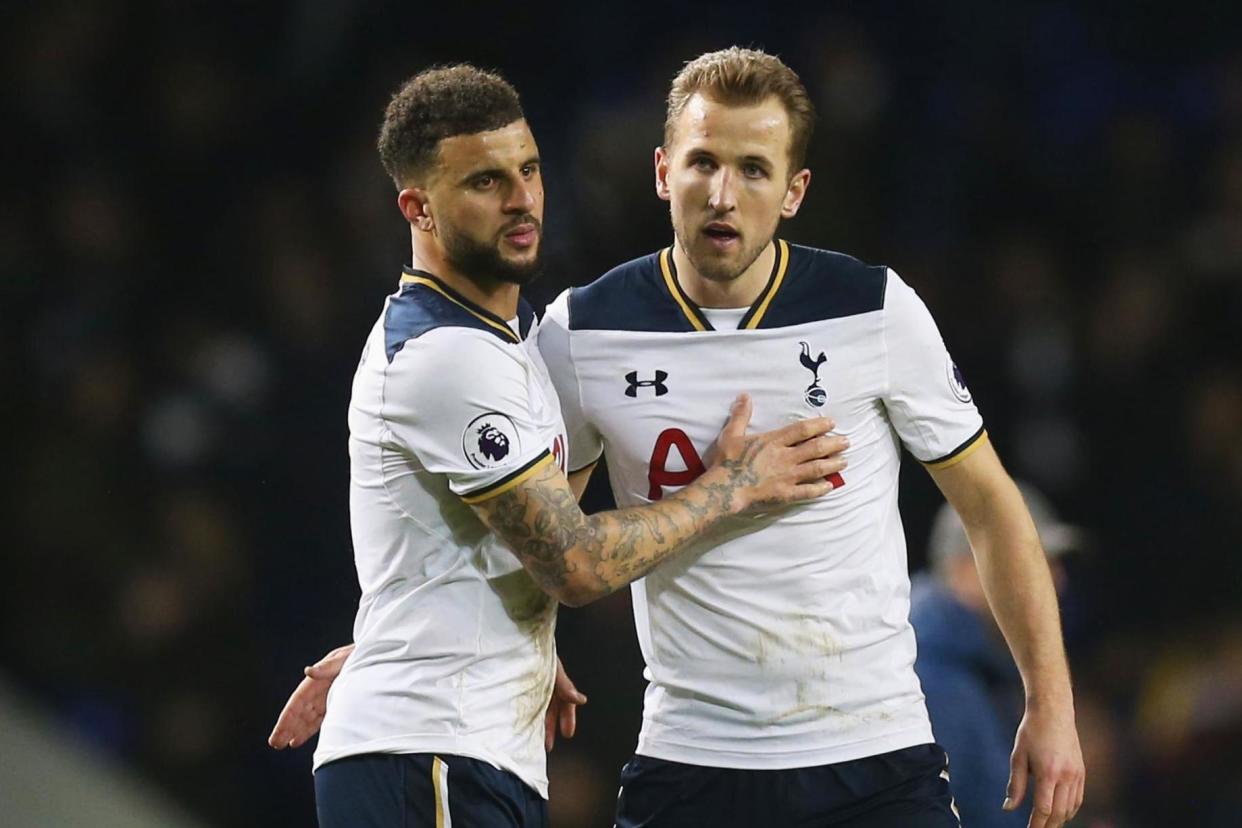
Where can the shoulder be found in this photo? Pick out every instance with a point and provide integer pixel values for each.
(824, 284)
(630, 297)
(417, 310)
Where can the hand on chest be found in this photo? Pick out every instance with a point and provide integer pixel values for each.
(660, 404)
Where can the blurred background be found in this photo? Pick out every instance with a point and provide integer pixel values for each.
(196, 236)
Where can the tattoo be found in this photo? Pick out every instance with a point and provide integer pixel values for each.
(585, 557)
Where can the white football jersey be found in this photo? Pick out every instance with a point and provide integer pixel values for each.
(780, 640)
(455, 651)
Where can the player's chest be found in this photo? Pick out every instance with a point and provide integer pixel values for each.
(677, 389)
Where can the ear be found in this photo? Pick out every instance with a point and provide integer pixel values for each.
(416, 207)
(661, 173)
(797, 191)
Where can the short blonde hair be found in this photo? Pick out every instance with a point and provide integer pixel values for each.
(745, 77)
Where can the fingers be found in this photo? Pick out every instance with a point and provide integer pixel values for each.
(809, 491)
(821, 470)
(1016, 790)
(821, 447)
(568, 720)
(739, 417)
(561, 717)
(801, 431)
(302, 715)
(1043, 805)
(329, 667)
(566, 691)
(1065, 791)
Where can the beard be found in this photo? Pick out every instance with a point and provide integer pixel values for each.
(716, 268)
(483, 262)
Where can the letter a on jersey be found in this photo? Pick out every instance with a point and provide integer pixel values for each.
(658, 476)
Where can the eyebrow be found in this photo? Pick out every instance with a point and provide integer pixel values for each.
(762, 160)
(496, 172)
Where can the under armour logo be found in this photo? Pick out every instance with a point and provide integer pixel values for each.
(635, 383)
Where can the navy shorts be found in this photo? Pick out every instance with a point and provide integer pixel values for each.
(907, 788)
(421, 790)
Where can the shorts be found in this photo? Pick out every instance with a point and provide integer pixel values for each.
(421, 790)
(906, 788)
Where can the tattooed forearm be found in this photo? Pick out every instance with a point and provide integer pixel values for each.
(578, 558)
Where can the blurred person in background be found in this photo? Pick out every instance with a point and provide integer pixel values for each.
(466, 529)
(973, 688)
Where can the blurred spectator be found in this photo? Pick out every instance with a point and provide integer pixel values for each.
(974, 692)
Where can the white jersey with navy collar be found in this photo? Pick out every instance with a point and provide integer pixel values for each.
(780, 640)
(454, 641)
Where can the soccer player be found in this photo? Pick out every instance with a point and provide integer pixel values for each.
(782, 688)
(466, 531)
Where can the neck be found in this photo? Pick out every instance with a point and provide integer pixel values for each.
(500, 298)
(739, 292)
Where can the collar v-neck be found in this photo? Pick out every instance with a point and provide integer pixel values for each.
(754, 315)
(410, 276)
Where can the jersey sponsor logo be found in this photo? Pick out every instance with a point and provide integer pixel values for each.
(657, 384)
(815, 395)
(489, 439)
(957, 382)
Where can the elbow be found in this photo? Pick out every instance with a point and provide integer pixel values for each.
(580, 590)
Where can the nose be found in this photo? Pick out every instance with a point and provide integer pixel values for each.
(721, 198)
(522, 198)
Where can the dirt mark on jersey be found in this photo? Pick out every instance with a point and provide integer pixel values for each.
(534, 613)
(799, 648)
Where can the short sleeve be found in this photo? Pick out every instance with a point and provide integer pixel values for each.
(926, 395)
(459, 400)
(585, 443)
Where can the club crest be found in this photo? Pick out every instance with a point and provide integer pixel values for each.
(815, 394)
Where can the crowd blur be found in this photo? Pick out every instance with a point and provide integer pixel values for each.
(196, 235)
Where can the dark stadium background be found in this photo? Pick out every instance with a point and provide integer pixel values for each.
(196, 235)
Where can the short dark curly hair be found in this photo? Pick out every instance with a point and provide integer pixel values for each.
(439, 103)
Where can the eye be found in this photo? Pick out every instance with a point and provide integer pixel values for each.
(485, 182)
(530, 170)
(754, 171)
(704, 164)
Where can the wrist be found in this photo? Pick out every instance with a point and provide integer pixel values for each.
(723, 492)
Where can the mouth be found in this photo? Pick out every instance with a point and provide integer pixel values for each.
(523, 236)
(721, 236)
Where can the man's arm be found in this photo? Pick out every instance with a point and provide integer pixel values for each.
(1018, 585)
(577, 558)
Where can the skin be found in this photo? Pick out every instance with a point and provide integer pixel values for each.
(486, 188)
(728, 167)
(708, 174)
(1018, 585)
(578, 558)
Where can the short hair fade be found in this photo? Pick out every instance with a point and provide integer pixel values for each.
(439, 103)
(745, 77)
